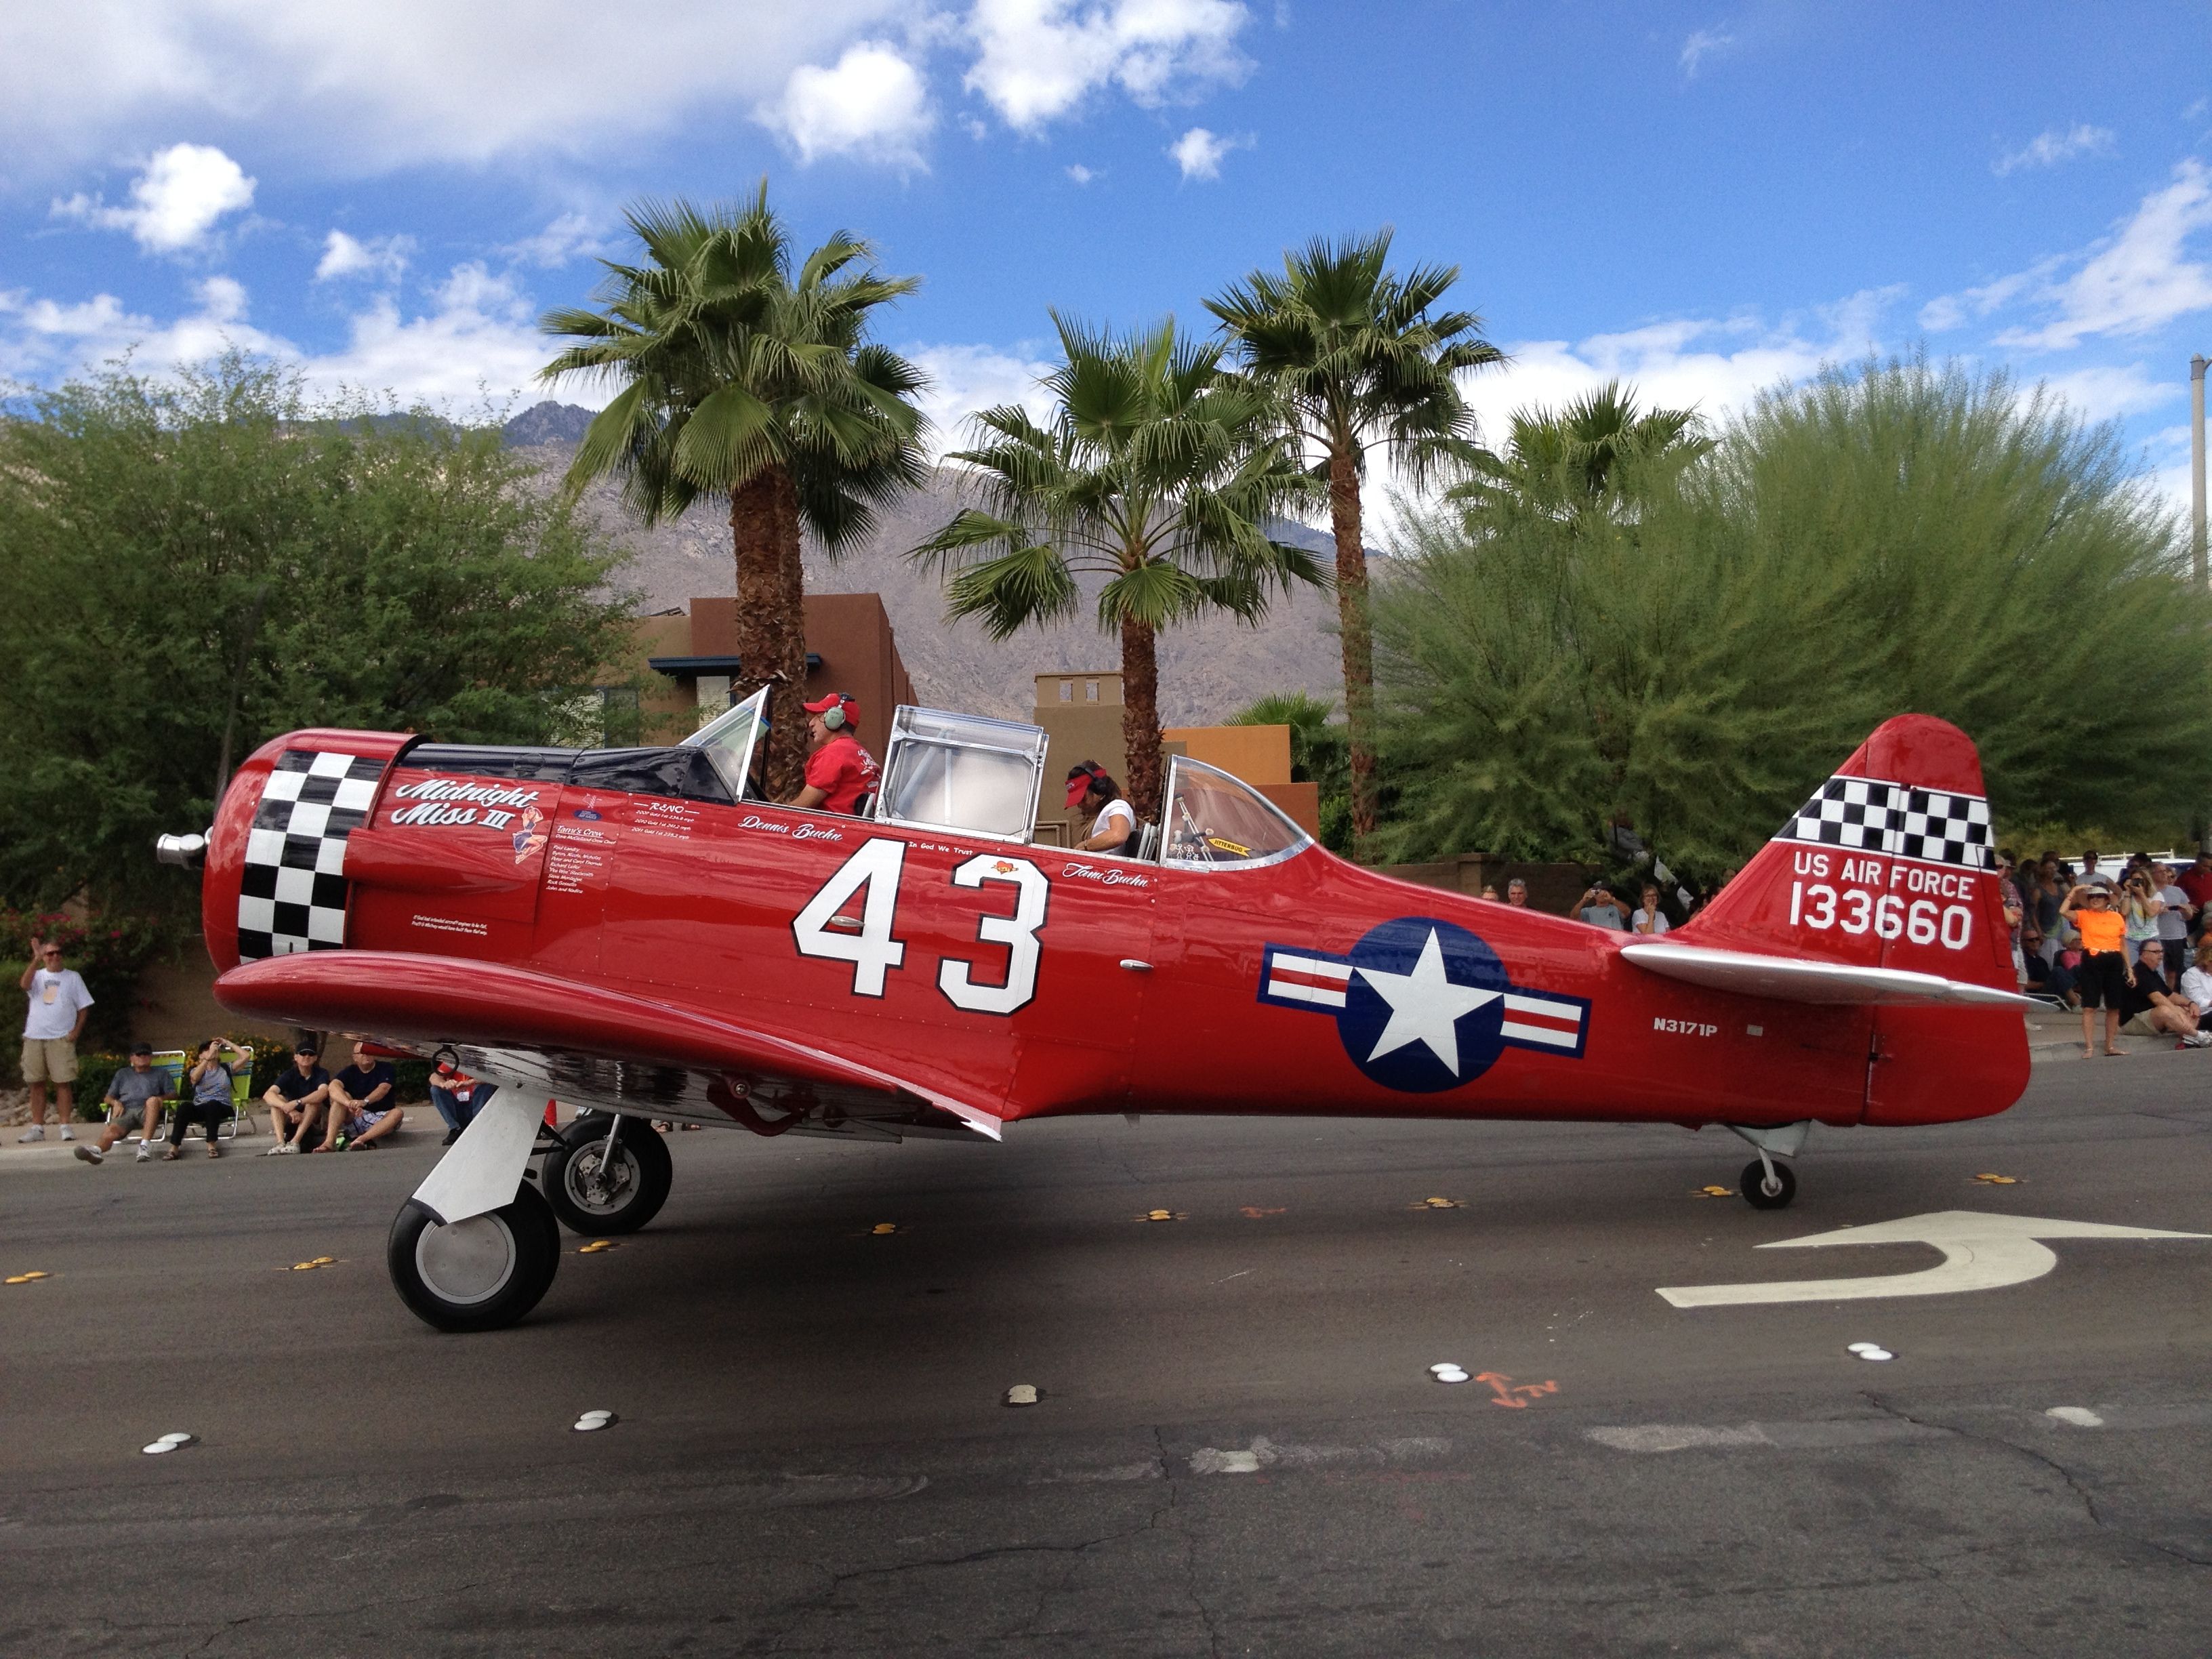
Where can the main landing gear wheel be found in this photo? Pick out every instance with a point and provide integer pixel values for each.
(1762, 1193)
(477, 1274)
(595, 1193)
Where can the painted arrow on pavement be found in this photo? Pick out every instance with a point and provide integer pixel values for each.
(1980, 1253)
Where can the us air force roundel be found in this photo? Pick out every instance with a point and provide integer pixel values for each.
(1423, 1005)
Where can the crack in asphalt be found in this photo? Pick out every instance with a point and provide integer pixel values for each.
(1173, 1507)
(2087, 1499)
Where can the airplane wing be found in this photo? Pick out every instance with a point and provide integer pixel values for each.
(1792, 979)
(590, 1046)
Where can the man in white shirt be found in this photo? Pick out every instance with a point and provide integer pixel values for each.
(1115, 826)
(58, 1003)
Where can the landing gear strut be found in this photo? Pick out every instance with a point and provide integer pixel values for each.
(1766, 1185)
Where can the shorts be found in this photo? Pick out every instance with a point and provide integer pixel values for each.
(49, 1060)
(2102, 979)
(361, 1123)
(2141, 1026)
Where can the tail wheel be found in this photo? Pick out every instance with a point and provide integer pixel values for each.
(596, 1193)
(1761, 1194)
(478, 1275)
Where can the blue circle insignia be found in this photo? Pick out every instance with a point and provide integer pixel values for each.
(1424, 1008)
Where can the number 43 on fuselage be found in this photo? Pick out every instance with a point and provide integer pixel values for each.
(632, 932)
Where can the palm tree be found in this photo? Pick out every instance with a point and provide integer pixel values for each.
(1355, 354)
(1564, 462)
(748, 375)
(1156, 473)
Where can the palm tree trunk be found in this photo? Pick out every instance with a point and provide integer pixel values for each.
(770, 641)
(1140, 716)
(1358, 642)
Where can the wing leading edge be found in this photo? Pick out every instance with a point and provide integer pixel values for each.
(588, 1038)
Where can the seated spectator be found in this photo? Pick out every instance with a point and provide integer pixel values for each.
(2196, 983)
(211, 1099)
(2151, 1007)
(137, 1090)
(1648, 917)
(458, 1096)
(361, 1111)
(364, 1087)
(1601, 909)
(296, 1100)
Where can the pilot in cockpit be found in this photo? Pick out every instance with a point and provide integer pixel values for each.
(1115, 829)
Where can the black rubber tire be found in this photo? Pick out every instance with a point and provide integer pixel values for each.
(519, 1251)
(1755, 1189)
(644, 1173)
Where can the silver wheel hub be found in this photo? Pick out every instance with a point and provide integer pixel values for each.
(596, 1186)
(467, 1262)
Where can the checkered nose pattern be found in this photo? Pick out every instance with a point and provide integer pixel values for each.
(1867, 815)
(292, 893)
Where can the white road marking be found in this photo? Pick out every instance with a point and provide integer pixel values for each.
(2079, 1416)
(1980, 1253)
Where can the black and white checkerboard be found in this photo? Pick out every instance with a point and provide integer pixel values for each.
(292, 894)
(1866, 815)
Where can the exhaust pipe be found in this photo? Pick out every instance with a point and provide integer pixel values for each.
(184, 851)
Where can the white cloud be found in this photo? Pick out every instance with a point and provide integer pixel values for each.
(1081, 174)
(1713, 365)
(476, 342)
(185, 189)
(2112, 391)
(873, 106)
(571, 236)
(2136, 280)
(1701, 45)
(1039, 58)
(2048, 149)
(369, 87)
(964, 379)
(1199, 152)
(384, 257)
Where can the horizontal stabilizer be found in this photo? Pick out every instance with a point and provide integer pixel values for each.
(1793, 979)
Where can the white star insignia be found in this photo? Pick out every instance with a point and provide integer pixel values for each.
(1426, 1005)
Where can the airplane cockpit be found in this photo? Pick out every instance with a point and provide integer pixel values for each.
(984, 776)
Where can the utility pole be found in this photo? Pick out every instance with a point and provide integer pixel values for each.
(2197, 467)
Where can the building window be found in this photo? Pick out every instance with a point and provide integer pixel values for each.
(1068, 690)
(1090, 690)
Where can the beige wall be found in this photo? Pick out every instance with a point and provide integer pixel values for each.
(1260, 755)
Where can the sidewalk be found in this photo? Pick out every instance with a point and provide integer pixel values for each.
(2053, 1035)
(252, 1140)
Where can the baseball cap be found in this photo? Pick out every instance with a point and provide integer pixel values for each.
(142, 1047)
(307, 1048)
(836, 699)
(1080, 779)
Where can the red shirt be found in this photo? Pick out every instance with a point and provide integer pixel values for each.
(2196, 884)
(844, 771)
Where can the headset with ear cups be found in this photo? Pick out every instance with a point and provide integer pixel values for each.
(833, 717)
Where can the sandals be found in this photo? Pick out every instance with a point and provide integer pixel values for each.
(173, 1154)
(214, 1150)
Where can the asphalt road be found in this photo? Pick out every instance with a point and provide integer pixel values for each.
(1239, 1447)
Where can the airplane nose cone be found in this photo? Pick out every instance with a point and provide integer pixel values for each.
(184, 850)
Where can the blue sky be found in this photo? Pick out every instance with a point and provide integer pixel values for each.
(1704, 199)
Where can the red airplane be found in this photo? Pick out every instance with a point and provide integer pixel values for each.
(634, 933)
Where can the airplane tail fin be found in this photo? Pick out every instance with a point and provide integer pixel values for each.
(1890, 867)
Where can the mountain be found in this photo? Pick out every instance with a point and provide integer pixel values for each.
(547, 423)
(1208, 668)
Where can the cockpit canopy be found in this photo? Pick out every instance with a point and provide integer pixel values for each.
(944, 771)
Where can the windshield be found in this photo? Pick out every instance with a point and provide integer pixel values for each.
(1215, 821)
(728, 740)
